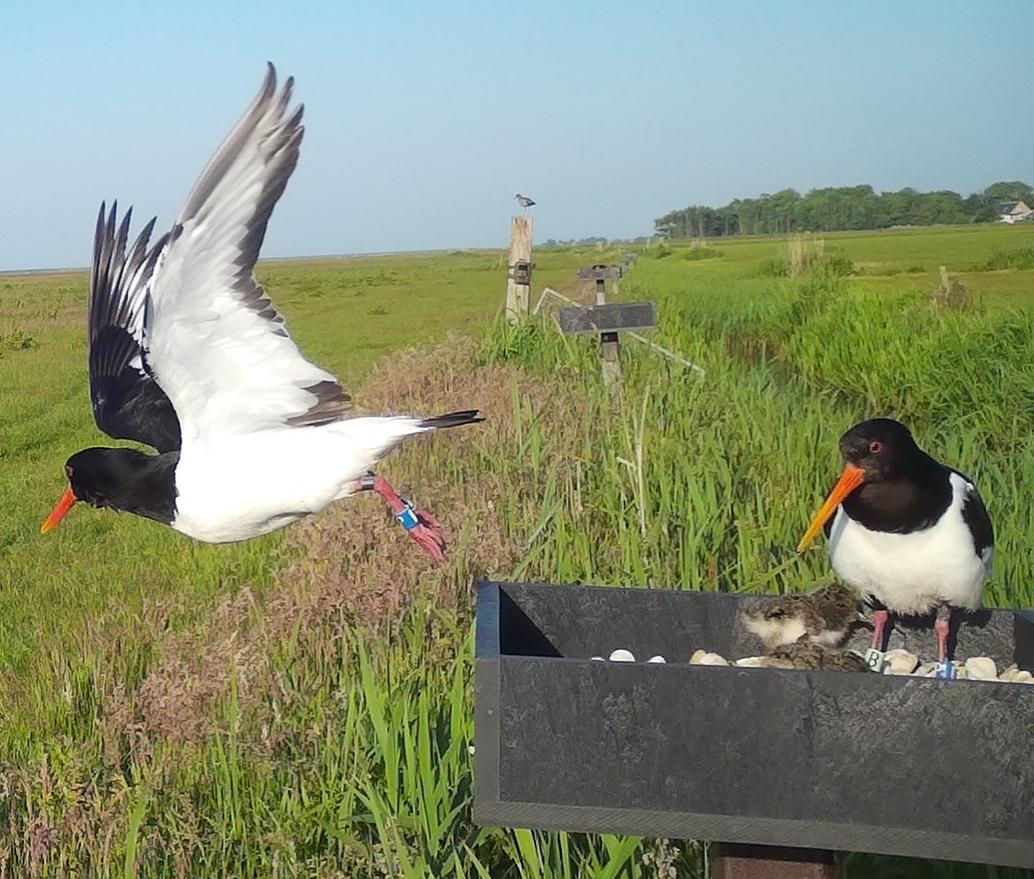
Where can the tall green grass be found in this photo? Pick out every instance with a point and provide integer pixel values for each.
(341, 748)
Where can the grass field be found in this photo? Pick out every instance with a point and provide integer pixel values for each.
(300, 705)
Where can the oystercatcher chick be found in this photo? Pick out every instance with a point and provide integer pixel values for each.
(909, 532)
(189, 356)
(804, 654)
(822, 616)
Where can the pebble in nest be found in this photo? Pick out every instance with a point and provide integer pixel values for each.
(814, 655)
(823, 616)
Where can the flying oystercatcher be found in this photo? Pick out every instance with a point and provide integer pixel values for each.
(524, 201)
(910, 533)
(189, 356)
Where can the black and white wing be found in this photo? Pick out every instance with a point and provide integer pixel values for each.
(974, 514)
(127, 401)
(215, 342)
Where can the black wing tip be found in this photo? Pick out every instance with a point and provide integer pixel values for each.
(109, 218)
(269, 86)
(331, 405)
(452, 419)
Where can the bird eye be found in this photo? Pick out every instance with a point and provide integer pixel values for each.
(68, 471)
(875, 447)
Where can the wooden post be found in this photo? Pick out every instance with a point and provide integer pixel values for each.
(607, 320)
(610, 347)
(737, 861)
(518, 280)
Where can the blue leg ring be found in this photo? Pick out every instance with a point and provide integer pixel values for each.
(408, 518)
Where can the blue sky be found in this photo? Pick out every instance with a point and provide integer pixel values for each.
(423, 120)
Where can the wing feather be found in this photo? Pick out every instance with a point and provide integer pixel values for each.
(216, 343)
(127, 401)
(975, 515)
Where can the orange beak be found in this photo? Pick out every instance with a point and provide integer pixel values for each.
(849, 480)
(60, 511)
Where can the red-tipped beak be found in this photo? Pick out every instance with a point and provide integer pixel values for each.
(849, 480)
(60, 511)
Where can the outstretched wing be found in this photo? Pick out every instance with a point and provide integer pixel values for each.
(216, 344)
(127, 401)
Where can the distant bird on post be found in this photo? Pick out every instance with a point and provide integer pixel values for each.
(909, 532)
(524, 201)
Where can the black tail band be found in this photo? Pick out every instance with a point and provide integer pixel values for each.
(452, 419)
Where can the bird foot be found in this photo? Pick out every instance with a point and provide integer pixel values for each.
(420, 526)
(425, 530)
(430, 541)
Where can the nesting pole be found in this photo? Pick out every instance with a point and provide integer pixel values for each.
(518, 279)
(610, 347)
(607, 320)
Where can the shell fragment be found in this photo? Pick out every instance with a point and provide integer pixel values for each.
(981, 668)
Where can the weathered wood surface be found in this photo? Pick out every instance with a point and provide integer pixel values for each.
(732, 861)
(518, 294)
(608, 318)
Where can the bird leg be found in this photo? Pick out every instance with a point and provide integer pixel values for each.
(421, 526)
(942, 626)
(875, 658)
(880, 616)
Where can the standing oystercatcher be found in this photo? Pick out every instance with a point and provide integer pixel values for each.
(909, 532)
(524, 201)
(189, 356)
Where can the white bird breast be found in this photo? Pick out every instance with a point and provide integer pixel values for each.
(240, 486)
(912, 573)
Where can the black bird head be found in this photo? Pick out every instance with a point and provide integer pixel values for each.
(881, 448)
(119, 479)
(878, 450)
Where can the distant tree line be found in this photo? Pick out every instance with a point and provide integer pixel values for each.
(839, 208)
(593, 240)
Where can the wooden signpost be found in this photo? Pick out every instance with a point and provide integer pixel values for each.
(607, 320)
(518, 279)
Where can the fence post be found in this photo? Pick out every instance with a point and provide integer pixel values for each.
(518, 279)
(610, 347)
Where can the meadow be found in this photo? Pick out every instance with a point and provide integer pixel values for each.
(301, 705)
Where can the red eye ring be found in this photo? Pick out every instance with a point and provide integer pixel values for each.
(875, 447)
